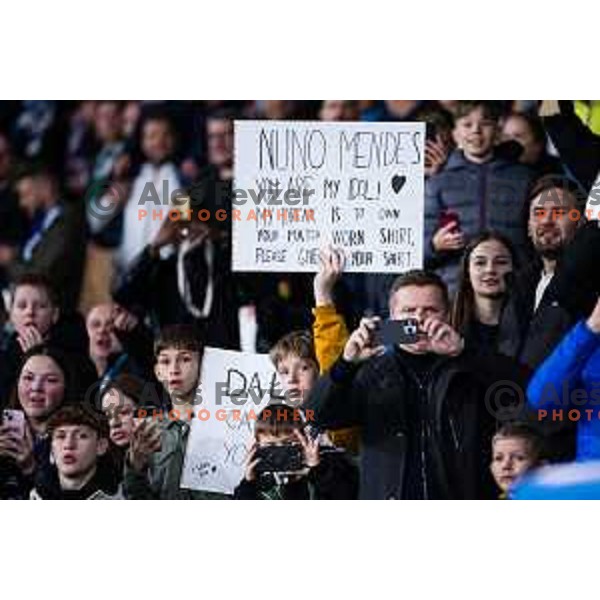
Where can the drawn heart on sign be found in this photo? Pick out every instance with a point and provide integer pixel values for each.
(398, 182)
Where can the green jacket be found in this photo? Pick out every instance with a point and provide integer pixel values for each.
(162, 477)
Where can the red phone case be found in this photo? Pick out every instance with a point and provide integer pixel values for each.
(447, 217)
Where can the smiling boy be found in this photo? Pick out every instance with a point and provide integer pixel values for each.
(476, 190)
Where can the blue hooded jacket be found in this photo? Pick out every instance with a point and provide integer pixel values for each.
(569, 380)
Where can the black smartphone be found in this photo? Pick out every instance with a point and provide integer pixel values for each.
(287, 458)
(403, 331)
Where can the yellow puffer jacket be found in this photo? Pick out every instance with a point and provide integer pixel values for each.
(589, 113)
(330, 335)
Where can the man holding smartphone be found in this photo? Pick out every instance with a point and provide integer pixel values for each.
(421, 405)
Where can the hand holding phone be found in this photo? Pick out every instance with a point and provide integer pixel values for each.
(184, 206)
(449, 236)
(145, 441)
(16, 441)
(449, 217)
(399, 332)
(282, 459)
(13, 422)
(362, 343)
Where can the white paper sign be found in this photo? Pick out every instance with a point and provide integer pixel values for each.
(302, 185)
(235, 387)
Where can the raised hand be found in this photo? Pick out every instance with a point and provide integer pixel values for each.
(436, 155)
(361, 344)
(29, 337)
(169, 233)
(593, 321)
(145, 441)
(123, 320)
(310, 449)
(446, 239)
(251, 462)
(332, 261)
(19, 448)
(443, 339)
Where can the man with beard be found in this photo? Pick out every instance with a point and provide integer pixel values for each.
(541, 307)
(534, 320)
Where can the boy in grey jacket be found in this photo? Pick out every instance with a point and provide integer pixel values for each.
(477, 190)
(155, 458)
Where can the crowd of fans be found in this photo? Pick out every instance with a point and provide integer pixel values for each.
(105, 315)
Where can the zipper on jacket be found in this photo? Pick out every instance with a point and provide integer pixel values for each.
(483, 197)
(421, 415)
(426, 390)
(423, 436)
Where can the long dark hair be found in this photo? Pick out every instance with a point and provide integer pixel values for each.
(463, 307)
(78, 373)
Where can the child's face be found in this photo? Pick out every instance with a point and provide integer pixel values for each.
(120, 410)
(475, 134)
(41, 387)
(31, 306)
(511, 458)
(157, 141)
(298, 375)
(516, 128)
(76, 449)
(178, 370)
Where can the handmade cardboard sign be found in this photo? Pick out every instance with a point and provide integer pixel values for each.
(302, 185)
(235, 387)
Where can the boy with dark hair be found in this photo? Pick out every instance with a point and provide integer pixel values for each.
(183, 337)
(79, 438)
(476, 190)
(516, 449)
(178, 354)
(324, 473)
(158, 445)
